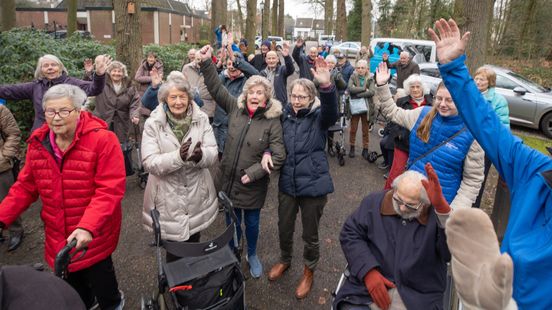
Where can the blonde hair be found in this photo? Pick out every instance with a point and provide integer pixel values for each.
(424, 129)
(258, 80)
(488, 73)
(38, 72)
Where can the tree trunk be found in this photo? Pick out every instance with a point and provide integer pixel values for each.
(265, 18)
(219, 11)
(128, 36)
(472, 16)
(71, 17)
(274, 19)
(281, 19)
(341, 21)
(250, 30)
(7, 20)
(366, 22)
(328, 16)
(240, 18)
(524, 44)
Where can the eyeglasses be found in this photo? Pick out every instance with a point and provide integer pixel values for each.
(438, 100)
(62, 113)
(299, 97)
(410, 206)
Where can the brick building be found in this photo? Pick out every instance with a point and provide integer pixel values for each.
(163, 21)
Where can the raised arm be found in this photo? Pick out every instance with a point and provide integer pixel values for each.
(219, 93)
(17, 91)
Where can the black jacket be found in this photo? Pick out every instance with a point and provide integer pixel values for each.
(280, 79)
(303, 62)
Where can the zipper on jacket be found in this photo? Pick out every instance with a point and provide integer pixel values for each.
(237, 155)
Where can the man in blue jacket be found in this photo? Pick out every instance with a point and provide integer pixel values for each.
(528, 173)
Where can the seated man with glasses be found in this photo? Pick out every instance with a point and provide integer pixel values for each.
(396, 248)
(75, 165)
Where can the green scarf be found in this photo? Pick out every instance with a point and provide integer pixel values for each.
(180, 127)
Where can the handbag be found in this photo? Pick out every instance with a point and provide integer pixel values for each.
(358, 106)
(410, 163)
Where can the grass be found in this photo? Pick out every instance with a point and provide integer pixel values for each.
(539, 144)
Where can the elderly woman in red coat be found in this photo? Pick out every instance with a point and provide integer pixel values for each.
(75, 165)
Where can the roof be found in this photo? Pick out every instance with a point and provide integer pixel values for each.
(318, 24)
(171, 5)
(303, 22)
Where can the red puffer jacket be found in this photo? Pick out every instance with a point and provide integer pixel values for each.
(85, 193)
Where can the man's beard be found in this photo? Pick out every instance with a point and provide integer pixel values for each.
(407, 215)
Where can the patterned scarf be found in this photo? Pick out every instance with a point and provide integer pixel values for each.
(180, 127)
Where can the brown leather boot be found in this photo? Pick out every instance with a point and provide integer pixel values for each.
(305, 284)
(277, 271)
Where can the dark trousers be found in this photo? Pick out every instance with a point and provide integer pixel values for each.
(252, 219)
(387, 153)
(97, 281)
(193, 238)
(311, 212)
(6, 181)
(488, 163)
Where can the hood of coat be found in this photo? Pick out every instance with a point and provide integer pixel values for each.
(273, 108)
(160, 116)
(87, 123)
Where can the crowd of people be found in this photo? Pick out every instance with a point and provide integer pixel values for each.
(234, 114)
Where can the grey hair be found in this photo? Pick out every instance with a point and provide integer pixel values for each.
(331, 58)
(361, 62)
(413, 176)
(117, 65)
(413, 78)
(405, 53)
(38, 71)
(258, 80)
(175, 75)
(181, 85)
(308, 85)
(72, 92)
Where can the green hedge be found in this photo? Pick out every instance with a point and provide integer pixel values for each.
(21, 48)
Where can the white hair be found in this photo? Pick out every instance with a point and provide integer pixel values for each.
(38, 71)
(117, 65)
(412, 79)
(413, 177)
(331, 58)
(175, 75)
(72, 92)
(362, 62)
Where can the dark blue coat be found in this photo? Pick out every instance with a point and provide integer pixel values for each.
(303, 62)
(410, 253)
(280, 79)
(305, 172)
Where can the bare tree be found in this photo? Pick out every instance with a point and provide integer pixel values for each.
(7, 19)
(366, 22)
(71, 17)
(128, 31)
(472, 16)
(281, 19)
(219, 15)
(251, 25)
(265, 18)
(328, 16)
(274, 19)
(341, 21)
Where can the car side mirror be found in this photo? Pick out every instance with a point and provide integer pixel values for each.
(520, 90)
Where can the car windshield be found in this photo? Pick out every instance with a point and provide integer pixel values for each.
(529, 82)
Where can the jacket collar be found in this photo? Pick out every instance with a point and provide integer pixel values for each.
(59, 80)
(315, 104)
(387, 209)
(160, 116)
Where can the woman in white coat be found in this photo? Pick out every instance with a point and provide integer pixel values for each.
(178, 147)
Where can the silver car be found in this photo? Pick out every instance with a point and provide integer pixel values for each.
(349, 49)
(530, 103)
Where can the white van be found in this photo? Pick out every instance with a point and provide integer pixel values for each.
(326, 39)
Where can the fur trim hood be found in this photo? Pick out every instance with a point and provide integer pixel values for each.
(273, 108)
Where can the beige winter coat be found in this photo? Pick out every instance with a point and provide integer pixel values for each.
(182, 191)
(10, 136)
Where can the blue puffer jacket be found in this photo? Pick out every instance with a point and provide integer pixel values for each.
(448, 159)
(305, 172)
(528, 173)
(499, 104)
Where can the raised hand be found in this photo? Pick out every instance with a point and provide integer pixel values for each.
(434, 191)
(382, 74)
(285, 49)
(205, 53)
(101, 63)
(322, 73)
(449, 43)
(88, 65)
(299, 42)
(156, 78)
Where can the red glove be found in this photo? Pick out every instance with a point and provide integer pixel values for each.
(377, 287)
(434, 191)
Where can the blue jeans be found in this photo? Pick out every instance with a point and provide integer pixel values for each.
(252, 220)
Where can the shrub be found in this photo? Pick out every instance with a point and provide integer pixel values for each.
(172, 56)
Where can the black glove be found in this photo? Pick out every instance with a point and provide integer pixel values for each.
(184, 149)
(196, 154)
